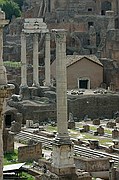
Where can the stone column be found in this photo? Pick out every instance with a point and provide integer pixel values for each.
(63, 162)
(23, 61)
(35, 61)
(61, 81)
(47, 59)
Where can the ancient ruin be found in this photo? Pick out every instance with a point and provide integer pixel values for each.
(62, 57)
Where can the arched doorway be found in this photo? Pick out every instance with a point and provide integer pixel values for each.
(105, 6)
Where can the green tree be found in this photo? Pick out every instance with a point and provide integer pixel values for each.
(10, 8)
(19, 2)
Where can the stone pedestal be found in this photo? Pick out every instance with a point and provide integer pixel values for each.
(71, 124)
(94, 144)
(111, 124)
(100, 130)
(96, 122)
(62, 156)
(86, 128)
(115, 133)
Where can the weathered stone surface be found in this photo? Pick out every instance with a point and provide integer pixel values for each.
(30, 152)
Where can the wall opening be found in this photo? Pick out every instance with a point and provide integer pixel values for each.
(90, 24)
(105, 6)
(8, 119)
(84, 83)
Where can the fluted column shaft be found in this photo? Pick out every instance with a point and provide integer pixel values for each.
(47, 59)
(35, 61)
(23, 60)
(61, 83)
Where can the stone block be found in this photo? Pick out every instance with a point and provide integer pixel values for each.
(96, 122)
(111, 124)
(30, 152)
(86, 128)
(94, 144)
(71, 125)
(117, 120)
(115, 133)
(100, 130)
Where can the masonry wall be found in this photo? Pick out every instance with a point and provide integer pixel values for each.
(30, 153)
(92, 165)
(95, 106)
(84, 68)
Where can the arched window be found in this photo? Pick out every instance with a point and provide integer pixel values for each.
(105, 6)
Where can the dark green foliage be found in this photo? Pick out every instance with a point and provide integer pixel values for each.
(10, 8)
(19, 2)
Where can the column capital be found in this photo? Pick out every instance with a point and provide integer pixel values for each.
(60, 35)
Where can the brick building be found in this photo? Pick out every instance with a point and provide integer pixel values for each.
(82, 71)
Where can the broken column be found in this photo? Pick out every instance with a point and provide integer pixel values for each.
(62, 156)
(35, 60)
(47, 59)
(23, 61)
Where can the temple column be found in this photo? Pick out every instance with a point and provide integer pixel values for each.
(47, 59)
(35, 61)
(62, 156)
(23, 61)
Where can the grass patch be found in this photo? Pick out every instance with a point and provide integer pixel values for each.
(50, 128)
(27, 176)
(10, 158)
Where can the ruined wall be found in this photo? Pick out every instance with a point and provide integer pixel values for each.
(94, 106)
(94, 165)
(30, 152)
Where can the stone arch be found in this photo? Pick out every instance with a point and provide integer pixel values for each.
(105, 6)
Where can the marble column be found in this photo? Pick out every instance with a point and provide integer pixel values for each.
(47, 59)
(62, 155)
(35, 61)
(23, 61)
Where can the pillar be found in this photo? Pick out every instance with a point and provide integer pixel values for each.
(62, 155)
(47, 59)
(23, 61)
(35, 61)
(61, 81)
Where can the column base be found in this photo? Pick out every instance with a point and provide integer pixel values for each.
(35, 85)
(62, 156)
